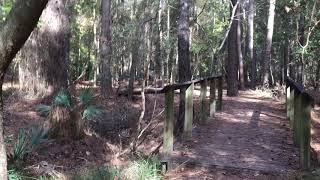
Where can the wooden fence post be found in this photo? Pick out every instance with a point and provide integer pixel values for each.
(305, 133)
(297, 117)
(288, 101)
(212, 97)
(291, 113)
(203, 102)
(220, 88)
(188, 112)
(168, 125)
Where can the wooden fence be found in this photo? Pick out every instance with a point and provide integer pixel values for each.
(299, 104)
(215, 103)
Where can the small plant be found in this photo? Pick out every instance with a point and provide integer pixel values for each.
(143, 169)
(27, 141)
(21, 145)
(68, 114)
(14, 175)
(100, 173)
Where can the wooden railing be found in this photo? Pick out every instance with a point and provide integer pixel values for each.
(299, 104)
(215, 103)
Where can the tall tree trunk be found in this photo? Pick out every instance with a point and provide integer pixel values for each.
(133, 53)
(184, 70)
(267, 55)
(239, 48)
(250, 44)
(18, 26)
(291, 59)
(47, 50)
(106, 52)
(285, 61)
(233, 58)
(300, 72)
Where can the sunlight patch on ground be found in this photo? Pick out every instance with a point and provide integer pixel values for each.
(237, 118)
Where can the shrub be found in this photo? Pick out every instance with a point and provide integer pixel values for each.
(27, 141)
(143, 169)
(100, 173)
(68, 114)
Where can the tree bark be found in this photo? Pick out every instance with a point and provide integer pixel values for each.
(47, 50)
(233, 58)
(17, 28)
(184, 69)
(106, 51)
(301, 32)
(239, 48)
(267, 56)
(250, 44)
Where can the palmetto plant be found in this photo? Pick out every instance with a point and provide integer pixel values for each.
(27, 141)
(68, 113)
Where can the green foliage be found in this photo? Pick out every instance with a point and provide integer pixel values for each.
(36, 134)
(13, 174)
(5, 9)
(100, 173)
(27, 141)
(43, 109)
(92, 112)
(63, 99)
(143, 169)
(21, 145)
(86, 96)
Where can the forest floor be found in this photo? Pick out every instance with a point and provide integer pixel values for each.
(249, 139)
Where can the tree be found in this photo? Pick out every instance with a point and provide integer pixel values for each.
(239, 48)
(106, 51)
(16, 29)
(250, 44)
(184, 57)
(43, 68)
(233, 57)
(267, 55)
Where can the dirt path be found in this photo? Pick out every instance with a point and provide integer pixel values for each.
(247, 140)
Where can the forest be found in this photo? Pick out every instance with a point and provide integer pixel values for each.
(154, 89)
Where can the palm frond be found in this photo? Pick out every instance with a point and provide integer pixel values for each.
(93, 112)
(86, 96)
(63, 99)
(44, 109)
(36, 134)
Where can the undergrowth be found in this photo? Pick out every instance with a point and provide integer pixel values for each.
(140, 169)
(98, 173)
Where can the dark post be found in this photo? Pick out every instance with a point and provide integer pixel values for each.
(203, 103)
(305, 133)
(297, 117)
(168, 125)
(220, 87)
